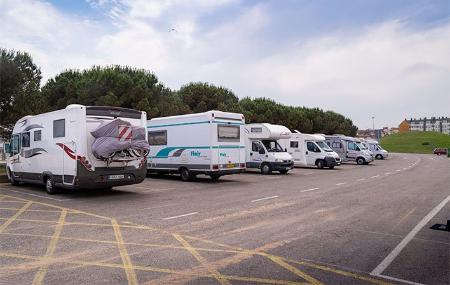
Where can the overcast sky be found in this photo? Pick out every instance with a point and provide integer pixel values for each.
(389, 59)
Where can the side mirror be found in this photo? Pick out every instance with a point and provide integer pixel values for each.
(261, 151)
(285, 149)
(317, 149)
(7, 148)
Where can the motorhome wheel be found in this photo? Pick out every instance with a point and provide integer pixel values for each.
(320, 164)
(185, 175)
(360, 161)
(284, 171)
(331, 166)
(379, 156)
(214, 177)
(49, 186)
(266, 169)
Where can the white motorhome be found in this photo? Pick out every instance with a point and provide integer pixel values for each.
(376, 149)
(55, 149)
(210, 143)
(263, 150)
(348, 149)
(310, 150)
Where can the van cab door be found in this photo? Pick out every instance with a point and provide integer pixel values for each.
(257, 154)
(14, 159)
(352, 150)
(312, 153)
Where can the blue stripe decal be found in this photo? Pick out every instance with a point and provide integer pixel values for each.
(164, 153)
(196, 123)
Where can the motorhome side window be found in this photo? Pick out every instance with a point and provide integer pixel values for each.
(157, 138)
(294, 144)
(59, 128)
(310, 146)
(26, 139)
(255, 146)
(37, 136)
(256, 130)
(337, 145)
(228, 133)
(352, 146)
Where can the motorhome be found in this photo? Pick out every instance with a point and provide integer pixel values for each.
(210, 143)
(376, 149)
(56, 148)
(263, 150)
(348, 150)
(363, 146)
(310, 150)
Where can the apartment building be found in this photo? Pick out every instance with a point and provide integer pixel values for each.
(433, 124)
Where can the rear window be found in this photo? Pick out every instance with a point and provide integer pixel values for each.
(228, 133)
(294, 144)
(157, 138)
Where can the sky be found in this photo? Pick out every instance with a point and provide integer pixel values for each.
(388, 59)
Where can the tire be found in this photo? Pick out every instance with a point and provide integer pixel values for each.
(320, 164)
(50, 186)
(331, 166)
(11, 178)
(379, 156)
(214, 177)
(185, 175)
(360, 161)
(284, 171)
(266, 169)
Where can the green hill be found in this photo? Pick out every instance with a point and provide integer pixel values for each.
(415, 142)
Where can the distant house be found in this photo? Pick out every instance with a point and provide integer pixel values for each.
(433, 124)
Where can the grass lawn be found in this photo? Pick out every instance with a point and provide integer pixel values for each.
(415, 142)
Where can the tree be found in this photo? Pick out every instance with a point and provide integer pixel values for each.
(202, 97)
(19, 88)
(113, 86)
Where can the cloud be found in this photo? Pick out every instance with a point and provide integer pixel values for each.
(384, 69)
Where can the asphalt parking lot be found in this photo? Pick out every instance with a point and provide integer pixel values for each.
(352, 225)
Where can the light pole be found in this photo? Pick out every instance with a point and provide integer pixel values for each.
(373, 127)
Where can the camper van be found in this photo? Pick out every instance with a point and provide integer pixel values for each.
(348, 149)
(376, 149)
(210, 143)
(55, 149)
(310, 150)
(263, 150)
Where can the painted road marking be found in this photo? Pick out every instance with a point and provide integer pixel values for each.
(265, 198)
(387, 173)
(342, 183)
(399, 280)
(16, 215)
(126, 260)
(180, 216)
(394, 253)
(312, 189)
(398, 170)
(361, 179)
(40, 196)
(375, 176)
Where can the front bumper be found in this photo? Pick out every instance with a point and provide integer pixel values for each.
(277, 166)
(331, 161)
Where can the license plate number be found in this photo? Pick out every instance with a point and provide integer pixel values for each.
(230, 165)
(116, 177)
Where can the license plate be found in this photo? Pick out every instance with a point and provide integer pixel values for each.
(230, 165)
(116, 177)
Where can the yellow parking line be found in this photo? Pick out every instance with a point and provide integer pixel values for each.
(294, 270)
(16, 215)
(200, 259)
(131, 275)
(39, 277)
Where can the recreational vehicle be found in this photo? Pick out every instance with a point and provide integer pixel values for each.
(310, 150)
(210, 143)
(263, 150)
(56, 149)
(376, 149)
(348, 149)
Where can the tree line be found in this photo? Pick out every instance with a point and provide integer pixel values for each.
(123, 86)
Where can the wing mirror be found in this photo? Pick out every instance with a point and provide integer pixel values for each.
(261, 151)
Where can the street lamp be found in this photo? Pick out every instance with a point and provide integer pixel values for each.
(373, 127)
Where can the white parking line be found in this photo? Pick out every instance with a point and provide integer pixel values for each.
(180, 216)
(312, 189)
(265, 198)
(342, 183)
(361, 179)
(40, 196)
(398, 170)
(387, 173)
(375, 176)
(396, 251)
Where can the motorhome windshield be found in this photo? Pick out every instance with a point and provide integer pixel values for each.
(272, 146)
(324, 146)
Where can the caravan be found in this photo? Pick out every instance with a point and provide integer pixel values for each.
(310, 150)
(210, 143)
(376, 149)
(263, 150)
(56, 149)
(348, 149)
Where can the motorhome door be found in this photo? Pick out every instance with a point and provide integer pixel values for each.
(69, 162)
(352, 150)
(312, 153)
(257, 154)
